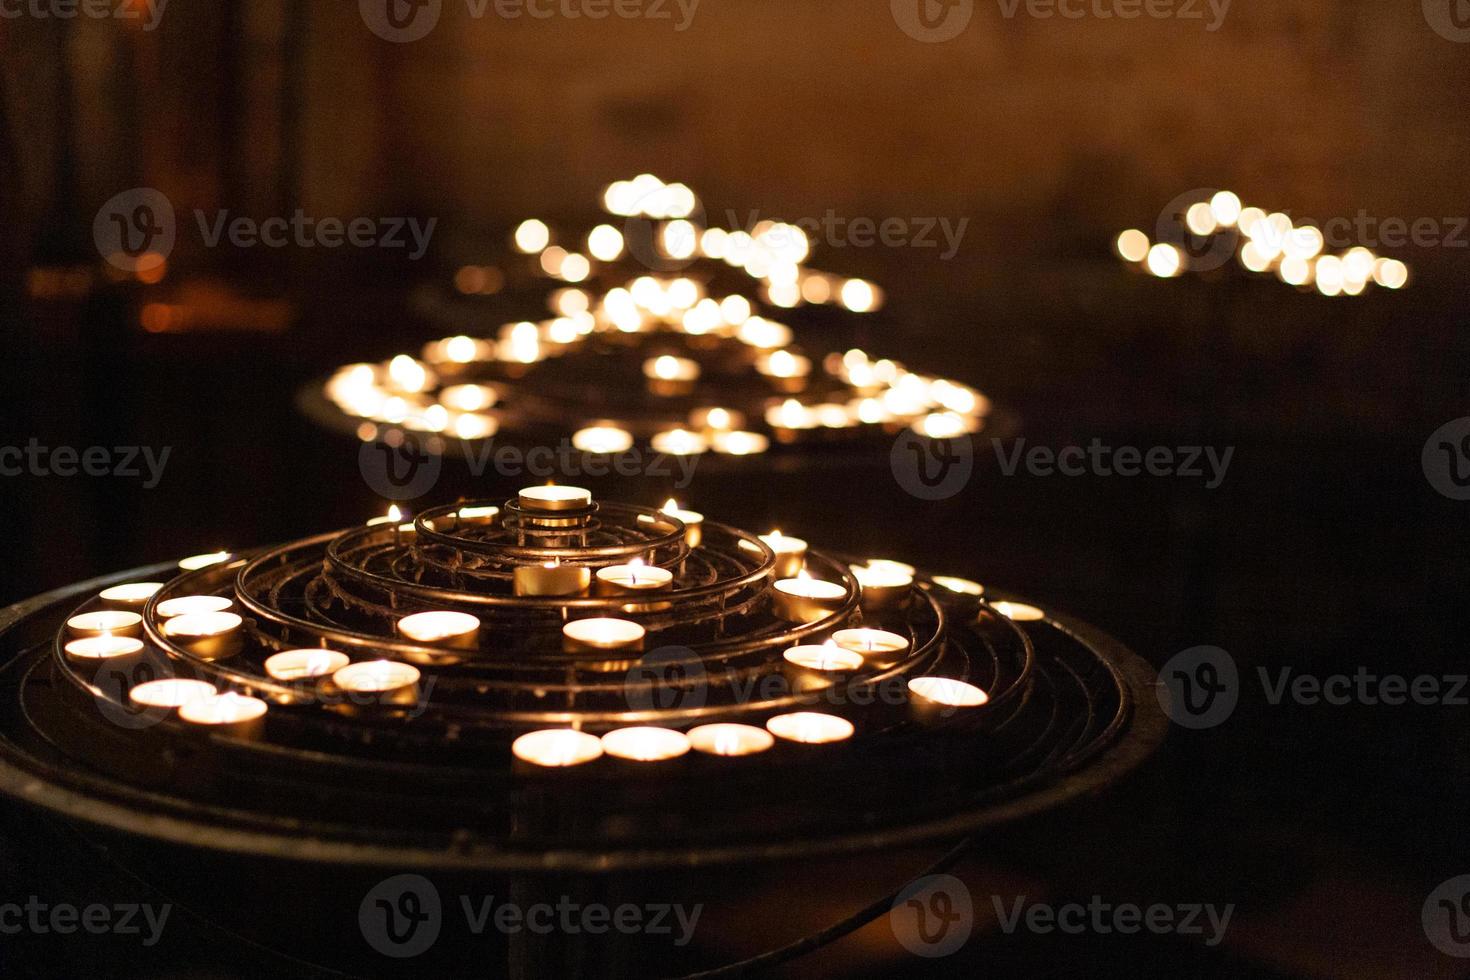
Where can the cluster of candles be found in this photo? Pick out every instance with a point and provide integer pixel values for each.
(207, 626)
(436, 390)
(1266, 243)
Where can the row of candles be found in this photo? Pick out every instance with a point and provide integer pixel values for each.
(1267, 243)
(771, 252)
(208, 626)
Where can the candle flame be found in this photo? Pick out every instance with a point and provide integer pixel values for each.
(394, 514)
(671, 506)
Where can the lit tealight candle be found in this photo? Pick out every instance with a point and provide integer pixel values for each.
(815, 667)
(740, 443)
(790, 553)
(602, 439)
(115, 621)
(196, 562)
(212, 635)
(884, 586)
(787, 370)
(878, 647)
(693, 522)
(805, 599)
(229, 713)
(185, 604)
(134, 595)
(551, 578)
(445, 627)
(716, 419)
(553, 498)
(679, 442)
(1018, 611)
(556, 747)
(171, 692)
(671, 373)
(810, 727)
(602, 635)
(645, 744)
(948, 692)
(961, 585)
(387, 679)
(632, 578)
(477, 515)
(728, 739)
(296, 665)
(103, 647)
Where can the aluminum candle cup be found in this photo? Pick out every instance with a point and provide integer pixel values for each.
(555, 748)
(884, 586)
(230, 714)
(810, 727)
(131, 595)
(634, 578)
(442, 628)
(378, 682)
(806, 600)
(555, 498)
(302, 665)
(602, 635)
(730, 740)
(816, 667)
(693, 522)
(552, 578)
(790, 553)
(103, 647)
(934, 699)
(210, 635)
(112, 621)
(645, 744)
(172, 692)
(879, 648)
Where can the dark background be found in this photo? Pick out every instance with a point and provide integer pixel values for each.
(1325, 549)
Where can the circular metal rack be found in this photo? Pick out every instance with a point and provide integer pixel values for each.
(426, 776)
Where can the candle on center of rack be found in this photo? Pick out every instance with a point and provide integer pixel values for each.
(551, 579)
(557, 747)
(296, 665)
(805, 599)
(602, 635)
(790, 553)
(553, 498)
(444, 627)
